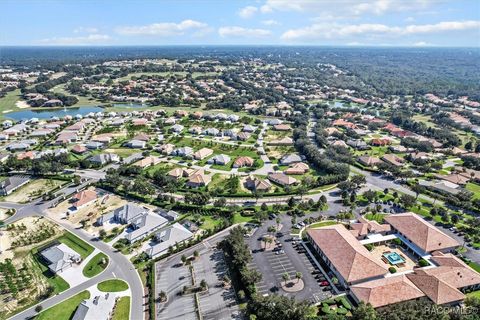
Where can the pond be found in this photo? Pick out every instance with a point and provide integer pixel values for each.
(49, 113)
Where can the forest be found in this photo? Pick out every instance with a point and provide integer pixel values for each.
(373, 70)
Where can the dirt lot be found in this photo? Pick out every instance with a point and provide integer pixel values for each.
(33, 190)
(16, 243)
(105, 202)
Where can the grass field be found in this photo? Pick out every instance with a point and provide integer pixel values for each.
(64, 310)
(77, 244)
(122, 309)
(375, 217)
(7, 103)
(113, 285)
(95, 266)
(475, 188)
(33, 190)
(55, 281)
(322, 224)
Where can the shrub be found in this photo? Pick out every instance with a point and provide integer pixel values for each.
(369, 246)
(423, 263)
(392, 269)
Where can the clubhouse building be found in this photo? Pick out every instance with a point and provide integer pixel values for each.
(405, 258)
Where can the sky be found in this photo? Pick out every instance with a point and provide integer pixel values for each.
(446, 23)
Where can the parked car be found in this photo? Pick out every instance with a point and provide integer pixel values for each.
(324, 283)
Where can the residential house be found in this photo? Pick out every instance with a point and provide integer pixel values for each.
(60, 257)
(147, 162)
(257, 184)
(369, 161)
(177, 128)
(219, 159)
(104, 158)
(82, 198)
(282, 179)
(202, 153)
(198, 179)
(393, 160)
(136, 144)
(297, 168)
(244, 161)
(183, 152)
(290, 159)
(12, 183)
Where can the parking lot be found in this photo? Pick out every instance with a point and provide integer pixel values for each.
(171, 279)
(219, 303)
(171, 276)
(291, 258)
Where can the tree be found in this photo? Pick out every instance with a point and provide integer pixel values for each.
(203, 284)
(250, 276)
(162, 296)
(183, 258)
(417, 189)
(358, 180)
(364, 312)
(275, 307)
(285, 276)
(370, 195)
(407, 200)
(196, 254)
(298, 276)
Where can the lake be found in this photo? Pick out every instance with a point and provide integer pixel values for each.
(49, 113)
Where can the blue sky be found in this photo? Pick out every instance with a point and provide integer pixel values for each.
(237, 22)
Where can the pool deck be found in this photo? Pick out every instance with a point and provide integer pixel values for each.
(409, 263)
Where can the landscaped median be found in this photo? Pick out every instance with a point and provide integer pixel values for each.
(96, 265)
(112, 285)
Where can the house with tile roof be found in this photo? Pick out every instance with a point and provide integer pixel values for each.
(82, 198)
(198, 179)
(243, 162)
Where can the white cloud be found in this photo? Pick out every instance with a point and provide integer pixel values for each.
(86, 40)
(270, 22)
(421, 44)
(163, 29)
(243, 32)
(409, 19)
(85, 30)
(247, 12)
(328, 31)
(352, 7)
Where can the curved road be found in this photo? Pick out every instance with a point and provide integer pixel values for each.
(119, 266)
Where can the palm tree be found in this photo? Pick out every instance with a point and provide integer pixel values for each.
(184, 259)
(162, 296)
(298, 276)
(285, 277)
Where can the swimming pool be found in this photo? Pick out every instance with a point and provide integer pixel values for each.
(394, 258)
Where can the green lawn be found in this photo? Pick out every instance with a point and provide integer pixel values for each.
(113, 285)
(77, 244)
(8, 102)
(377, 217)
(57, 282)
(209, 222)
(322, 224)
(64, 310)
(122, 309)
(95, 266)
(238, 218)
(475, 188)
(474, 266)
